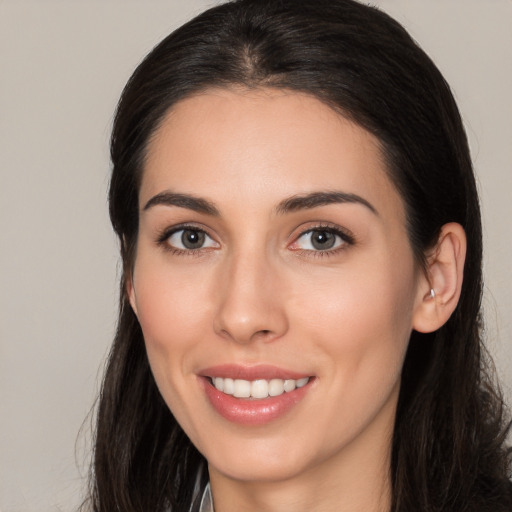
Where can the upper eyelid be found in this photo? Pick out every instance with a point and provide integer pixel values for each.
(166, 233)
(330, 228)
(186, 225)
(327, 226)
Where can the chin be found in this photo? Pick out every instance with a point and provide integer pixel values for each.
(264, 459)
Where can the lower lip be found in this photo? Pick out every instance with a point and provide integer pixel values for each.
(253, 412)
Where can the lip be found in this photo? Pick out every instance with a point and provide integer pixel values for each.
(251, 412)
(261, 371)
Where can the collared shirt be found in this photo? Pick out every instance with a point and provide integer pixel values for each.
(206, 500)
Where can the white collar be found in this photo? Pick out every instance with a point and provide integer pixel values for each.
(206, 500)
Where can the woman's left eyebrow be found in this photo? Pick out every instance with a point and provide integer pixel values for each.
(316, 199)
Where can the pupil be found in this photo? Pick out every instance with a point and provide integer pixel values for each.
(192, 239)
(322, 240)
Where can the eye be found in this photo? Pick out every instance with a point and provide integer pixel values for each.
(321, 239)
(190, 239)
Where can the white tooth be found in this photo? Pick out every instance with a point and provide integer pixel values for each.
(229, 386)
(259, 389)
(289, 385)
(218, 382)
(302, 382)
(242, 388)
(276, 387)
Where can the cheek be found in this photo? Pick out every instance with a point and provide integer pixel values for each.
(171, 313)
(166, 298)
(361, 324)
(172, 317)
(363, 317)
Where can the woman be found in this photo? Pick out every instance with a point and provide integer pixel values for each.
(299, 324)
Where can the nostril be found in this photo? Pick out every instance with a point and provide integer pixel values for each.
(263, 332)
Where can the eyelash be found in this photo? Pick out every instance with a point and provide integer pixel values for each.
(162, 240)
(346, 237)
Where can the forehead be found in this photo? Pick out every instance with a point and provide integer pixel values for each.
(256, 146)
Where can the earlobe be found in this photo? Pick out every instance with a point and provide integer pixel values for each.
(439, 291)
(130, 293)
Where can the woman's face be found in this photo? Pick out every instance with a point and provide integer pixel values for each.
(274, 283)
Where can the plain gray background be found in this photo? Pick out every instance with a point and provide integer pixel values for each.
(63, 64)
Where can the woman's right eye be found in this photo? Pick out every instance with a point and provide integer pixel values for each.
(190, 239)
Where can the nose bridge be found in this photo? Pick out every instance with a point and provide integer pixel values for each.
(249, 305)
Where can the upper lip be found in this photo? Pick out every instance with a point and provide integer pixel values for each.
(251, 372)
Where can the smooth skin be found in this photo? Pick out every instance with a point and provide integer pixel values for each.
(330, 290)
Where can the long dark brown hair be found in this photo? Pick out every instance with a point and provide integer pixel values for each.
(448, 449)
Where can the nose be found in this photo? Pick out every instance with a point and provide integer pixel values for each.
(250, 303)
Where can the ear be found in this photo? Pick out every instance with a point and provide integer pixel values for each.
(130, 292)
(444, 274)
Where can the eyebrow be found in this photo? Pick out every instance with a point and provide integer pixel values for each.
(190, 202)
(291, 204)
(316, 199)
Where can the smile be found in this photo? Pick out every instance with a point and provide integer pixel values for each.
(254, 395)
(257, 389)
